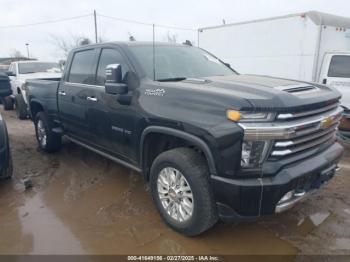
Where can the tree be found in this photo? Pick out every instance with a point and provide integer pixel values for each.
(171, 38)
(15, 53)
(65, 45)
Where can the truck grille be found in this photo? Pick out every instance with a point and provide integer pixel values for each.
(315, 128)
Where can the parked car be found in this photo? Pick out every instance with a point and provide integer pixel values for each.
(212, 143)
(5, 86)
(19, 72)
(311, 46)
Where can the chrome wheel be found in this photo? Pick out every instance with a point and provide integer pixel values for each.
(42, 137)
(175, 194)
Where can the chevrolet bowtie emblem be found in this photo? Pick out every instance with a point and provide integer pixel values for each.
(327, 122)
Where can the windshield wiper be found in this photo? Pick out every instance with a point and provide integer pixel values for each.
(171, 79)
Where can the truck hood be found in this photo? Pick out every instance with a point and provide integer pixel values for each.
(40, 75)
(265, 93)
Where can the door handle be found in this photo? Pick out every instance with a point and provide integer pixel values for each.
(61, 93)
(91, 98)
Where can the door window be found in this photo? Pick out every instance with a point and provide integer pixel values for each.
(82, 68)
(339, 66)
(108, 57)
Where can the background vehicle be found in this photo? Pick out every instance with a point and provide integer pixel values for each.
(5, 91)
(19, 72)
(212, 143)
(309, 46)
(5, 153)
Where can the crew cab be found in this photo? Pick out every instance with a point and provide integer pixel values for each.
(19, 72)
(211, 143)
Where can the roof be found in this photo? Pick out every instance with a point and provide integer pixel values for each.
(318, 18)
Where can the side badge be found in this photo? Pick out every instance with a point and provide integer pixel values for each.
(155, 92)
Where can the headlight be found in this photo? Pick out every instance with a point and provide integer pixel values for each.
(253, 153)
(249, 116)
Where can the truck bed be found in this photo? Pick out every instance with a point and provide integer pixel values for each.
(44, 92)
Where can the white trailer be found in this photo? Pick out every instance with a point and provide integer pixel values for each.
(309, 46)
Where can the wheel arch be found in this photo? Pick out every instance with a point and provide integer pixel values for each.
(178, 134)
(35, 107)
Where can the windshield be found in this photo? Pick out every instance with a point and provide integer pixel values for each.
(178, 62)
(28, 68)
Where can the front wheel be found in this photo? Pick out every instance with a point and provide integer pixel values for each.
(181, 191)
(48, 140)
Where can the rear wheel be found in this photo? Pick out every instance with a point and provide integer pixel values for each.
(21, 107)
(181, 191)
(48, 140)
(7, 172)
(8, 103)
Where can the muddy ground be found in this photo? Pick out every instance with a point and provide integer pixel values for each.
(82, 203)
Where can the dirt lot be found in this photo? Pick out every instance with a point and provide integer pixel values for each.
(82, 203)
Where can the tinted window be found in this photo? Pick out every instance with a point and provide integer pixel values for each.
(178, 62)
(81, 70)
(340, 66)
(28, 68)
(108, 57)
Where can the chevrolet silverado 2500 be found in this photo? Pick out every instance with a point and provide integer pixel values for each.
(212, 143)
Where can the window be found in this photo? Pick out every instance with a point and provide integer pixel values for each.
(108, 57)
(35, 67)
(82, 68)
(175, 61)
(340, 66)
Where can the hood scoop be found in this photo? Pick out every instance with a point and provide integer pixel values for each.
(297, 88)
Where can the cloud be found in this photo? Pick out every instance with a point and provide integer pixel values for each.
(182, 13)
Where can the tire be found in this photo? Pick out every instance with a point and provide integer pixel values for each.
(8, 103)
(193, 167)
(7, 173)
(21, 107)
(48, 141)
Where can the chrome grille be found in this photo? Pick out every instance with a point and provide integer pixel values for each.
(297, 133)
(308, 136)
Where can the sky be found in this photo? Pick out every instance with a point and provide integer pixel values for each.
(43, 39)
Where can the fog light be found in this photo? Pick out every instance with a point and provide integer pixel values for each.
(288, 196)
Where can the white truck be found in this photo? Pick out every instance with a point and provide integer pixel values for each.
(21, 71)
(309, 46)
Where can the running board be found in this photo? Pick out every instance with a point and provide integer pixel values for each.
(114, 159)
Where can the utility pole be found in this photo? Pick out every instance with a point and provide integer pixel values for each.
(95, 20)
(27, 45)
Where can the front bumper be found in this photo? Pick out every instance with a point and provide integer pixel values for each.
(253, 197)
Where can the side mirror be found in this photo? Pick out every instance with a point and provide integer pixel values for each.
(10, 73)
(114, 79)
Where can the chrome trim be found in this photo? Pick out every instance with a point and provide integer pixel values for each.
(307, 113)
(290, 129)
(297, 197)
(304, 147)
(305, 138)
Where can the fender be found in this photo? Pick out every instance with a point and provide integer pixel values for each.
(183, 135)
(34, 100)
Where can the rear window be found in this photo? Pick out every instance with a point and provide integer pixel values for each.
(82, 68)
(340, 66)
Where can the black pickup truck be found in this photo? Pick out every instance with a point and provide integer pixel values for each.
(212, 143)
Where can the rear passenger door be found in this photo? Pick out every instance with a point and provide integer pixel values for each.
(73, 94)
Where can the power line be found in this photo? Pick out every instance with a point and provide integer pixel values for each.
(45, 22)
(147, 24)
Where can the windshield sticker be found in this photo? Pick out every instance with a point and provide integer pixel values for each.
(155, 92)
